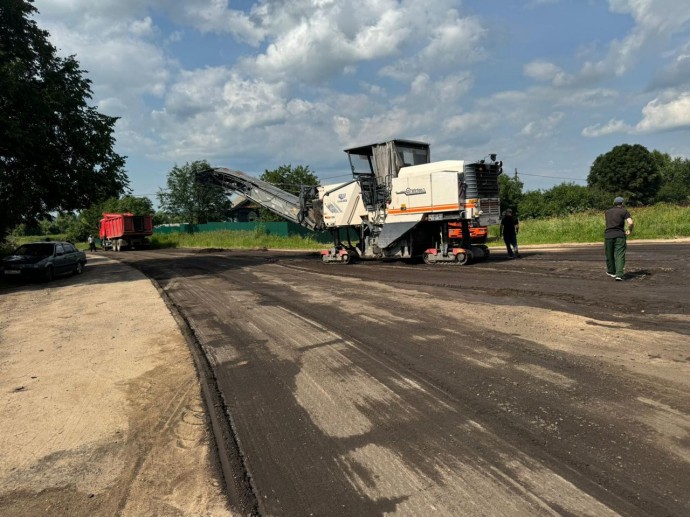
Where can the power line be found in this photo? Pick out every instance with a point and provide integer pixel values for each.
(553, 177)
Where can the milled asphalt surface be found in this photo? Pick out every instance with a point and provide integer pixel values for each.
(521, 387)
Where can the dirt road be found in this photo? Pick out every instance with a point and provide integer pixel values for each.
(528, 387)
(100, 402)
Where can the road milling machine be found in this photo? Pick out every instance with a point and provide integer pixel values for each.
(398, 205)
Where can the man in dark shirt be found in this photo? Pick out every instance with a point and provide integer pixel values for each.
(615, 242)
(510, 226)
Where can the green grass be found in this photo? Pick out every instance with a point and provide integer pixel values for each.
(660, 221)
(233, 239)
(15, 241)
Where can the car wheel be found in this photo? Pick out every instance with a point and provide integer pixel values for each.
(79, 268)
(48, 274)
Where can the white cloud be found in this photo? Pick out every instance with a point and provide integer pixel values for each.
(677, 72)
(588, 98)
(217, 16)
(656, 21)
(668, 114)
(612, 126)
(454, 42)
(315, 41)
(543, 127)
(547, 72)
(427, 92)
(470, 122)
(119, 61)
(296, 81)
(672, 112)
(206, 106)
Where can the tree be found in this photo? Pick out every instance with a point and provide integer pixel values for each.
(188, 201)
(532, 205)
(290, 179)
(675, 178)
(627, 170)
(127, 203)
(56, 151)
(567, 198)
(510, 191)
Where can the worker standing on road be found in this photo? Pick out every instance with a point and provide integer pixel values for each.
(92, 243)
(615, 238)
(510, 226)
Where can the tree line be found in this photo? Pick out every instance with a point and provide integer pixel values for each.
(641, 176)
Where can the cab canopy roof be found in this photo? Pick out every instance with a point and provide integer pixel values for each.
(367, 150)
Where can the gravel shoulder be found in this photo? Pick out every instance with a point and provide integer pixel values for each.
(101, 404)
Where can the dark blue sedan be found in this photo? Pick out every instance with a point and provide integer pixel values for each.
(43, 260)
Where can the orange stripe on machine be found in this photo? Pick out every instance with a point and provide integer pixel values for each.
(435, 208)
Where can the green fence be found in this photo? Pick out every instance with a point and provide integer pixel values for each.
(283, 229)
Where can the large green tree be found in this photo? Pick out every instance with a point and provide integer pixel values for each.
(675, 178)
(567, 198)
(56, 151)
(510, 191)
(290, 179)
(627, 170)
(188, 201)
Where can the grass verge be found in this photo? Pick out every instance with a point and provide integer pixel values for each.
(233, 239)
(661, 221)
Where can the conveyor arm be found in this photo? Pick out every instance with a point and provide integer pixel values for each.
(298, 209)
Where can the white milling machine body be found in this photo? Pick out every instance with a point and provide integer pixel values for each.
(398, 205)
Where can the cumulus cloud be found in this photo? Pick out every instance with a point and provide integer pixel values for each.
(217, 16)
(205, 107)
(296, 81)
(661, 114)
(316, 49)
(427, 92)
(456, 41)
(120, 62)
(665, 114)
(676, 73)
(656, 21)
(315, 41)
(542, 127)
(547, 72)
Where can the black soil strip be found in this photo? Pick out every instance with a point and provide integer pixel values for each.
(238, 484)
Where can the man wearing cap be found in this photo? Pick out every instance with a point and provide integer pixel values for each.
(509, 228)
(615, 241)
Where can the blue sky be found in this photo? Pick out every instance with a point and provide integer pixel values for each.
(548, 85)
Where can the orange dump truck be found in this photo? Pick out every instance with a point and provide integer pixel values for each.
(125, 231)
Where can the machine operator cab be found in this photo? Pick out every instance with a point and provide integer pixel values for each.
(374, 166)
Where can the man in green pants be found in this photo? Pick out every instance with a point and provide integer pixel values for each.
(615, 241)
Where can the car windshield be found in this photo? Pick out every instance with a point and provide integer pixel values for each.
(35, 250)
